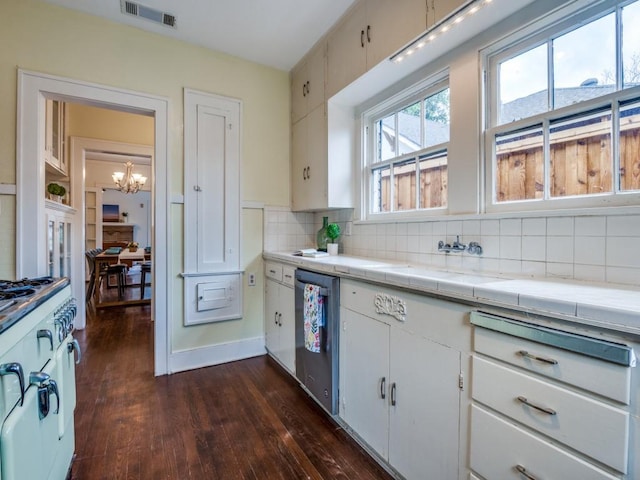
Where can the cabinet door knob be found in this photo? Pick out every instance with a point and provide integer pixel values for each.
(393, 394)
(362, 38)
(304, 89)
(308, 89)
(383, 388)
(308, 173)
(368, 33)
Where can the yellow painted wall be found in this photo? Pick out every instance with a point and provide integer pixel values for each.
(57, 41)
(104, 124)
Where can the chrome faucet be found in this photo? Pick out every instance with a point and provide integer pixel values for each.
(473, 247)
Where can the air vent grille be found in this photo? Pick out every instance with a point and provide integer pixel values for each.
(148, 13)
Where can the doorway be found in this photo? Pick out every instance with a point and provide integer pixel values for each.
(33, 90)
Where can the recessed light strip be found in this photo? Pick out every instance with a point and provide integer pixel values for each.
(440, 29)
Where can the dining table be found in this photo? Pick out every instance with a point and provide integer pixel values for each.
(113, 257)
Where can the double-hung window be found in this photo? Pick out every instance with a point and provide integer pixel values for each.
(405, 152)
(564, 112)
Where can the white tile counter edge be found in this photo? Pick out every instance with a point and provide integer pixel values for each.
(607, 306)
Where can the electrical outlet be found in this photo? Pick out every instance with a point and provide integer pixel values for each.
(251, 280)
(347, 228)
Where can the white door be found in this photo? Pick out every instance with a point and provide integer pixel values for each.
(271, 330)
(423, 440)
(287, 347)
(364, 368)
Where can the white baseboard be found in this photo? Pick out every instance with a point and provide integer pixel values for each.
(216, 354)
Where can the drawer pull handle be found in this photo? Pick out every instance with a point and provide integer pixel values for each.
(526, 354)
(523, 471)
(546, 410)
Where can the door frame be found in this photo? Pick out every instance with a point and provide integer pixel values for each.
(33, 89)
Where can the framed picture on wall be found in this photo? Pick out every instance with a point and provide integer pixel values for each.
(110, 213)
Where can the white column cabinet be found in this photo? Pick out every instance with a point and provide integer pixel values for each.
(370, 32)
(279, 315)
(213, 276)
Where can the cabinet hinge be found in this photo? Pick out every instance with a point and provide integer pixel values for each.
(461, 382)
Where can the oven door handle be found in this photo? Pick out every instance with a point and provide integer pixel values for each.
(46, 333)
(16, 369)
(72, 346)
(324, 292)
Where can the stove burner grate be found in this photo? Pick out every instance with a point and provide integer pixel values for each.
(16, 292)
(25, 282)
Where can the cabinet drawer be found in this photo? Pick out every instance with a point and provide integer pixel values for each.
(273, 271)
(589, 426)
(439, 320)
(498, 447)
(597, 376)
(288, 275)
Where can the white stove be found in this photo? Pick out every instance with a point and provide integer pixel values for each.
(37, 378)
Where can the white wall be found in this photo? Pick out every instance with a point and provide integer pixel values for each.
(139, 209)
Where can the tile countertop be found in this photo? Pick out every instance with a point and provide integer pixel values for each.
(609, 306)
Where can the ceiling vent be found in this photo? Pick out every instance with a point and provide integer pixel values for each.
(148, 13)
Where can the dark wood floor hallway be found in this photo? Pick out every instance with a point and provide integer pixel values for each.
(242, 420)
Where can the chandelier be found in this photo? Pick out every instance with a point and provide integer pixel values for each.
(129, 182)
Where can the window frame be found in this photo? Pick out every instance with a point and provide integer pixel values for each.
(538, 33)
(416, 93)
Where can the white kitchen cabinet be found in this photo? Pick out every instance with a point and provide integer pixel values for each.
(279, 316)
(54, 145)
(59, 236)
(307, 83)
(372, 31)
(438, 10)
(364, 378)
(423, 434)
(554, 416)
(400, 389)
(310, 164)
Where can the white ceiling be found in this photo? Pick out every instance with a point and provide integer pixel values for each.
(276, 33)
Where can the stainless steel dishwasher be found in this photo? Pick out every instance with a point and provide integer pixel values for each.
(317, 368)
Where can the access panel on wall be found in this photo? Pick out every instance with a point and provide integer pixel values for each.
(211, 206)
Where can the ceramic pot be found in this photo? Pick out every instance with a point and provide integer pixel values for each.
(332, 248)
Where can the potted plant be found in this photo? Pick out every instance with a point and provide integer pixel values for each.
(132, 246)
(125, 216)
(333, 232)
(56, 192)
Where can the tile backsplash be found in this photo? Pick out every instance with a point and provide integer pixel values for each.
(598, 248)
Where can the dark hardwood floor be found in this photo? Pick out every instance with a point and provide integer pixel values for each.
(241, 420)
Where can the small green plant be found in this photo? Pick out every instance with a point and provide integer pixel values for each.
(55, 189)
(333, 232)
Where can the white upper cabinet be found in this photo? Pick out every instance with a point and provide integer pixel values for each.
(371, 32)
(438, 10)
(307, 83)
(310, 165)
(54, 147)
